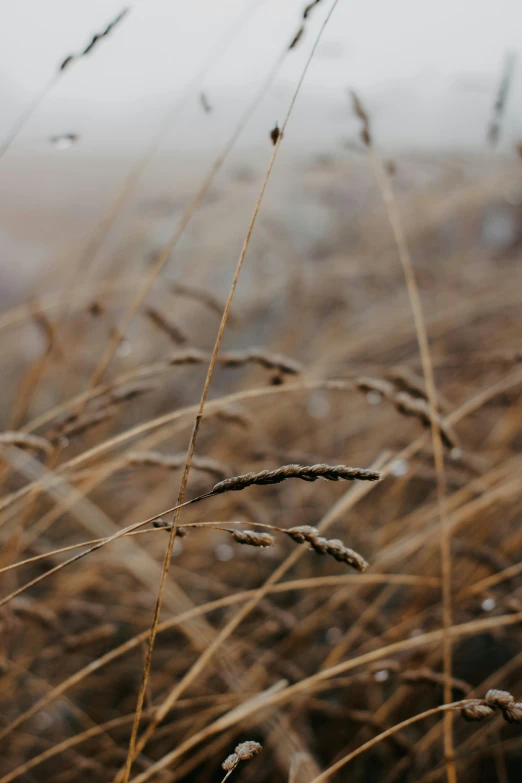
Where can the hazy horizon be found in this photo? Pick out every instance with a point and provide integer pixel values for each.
(118, 95)
(428, 81)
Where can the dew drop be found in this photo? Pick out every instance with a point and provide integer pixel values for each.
(64, 141)
(318, 406)
(43, 720)
(224, 553)
(373, 397)
(399, 467)
(334, 635)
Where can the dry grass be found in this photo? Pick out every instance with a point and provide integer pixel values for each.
(261, 635)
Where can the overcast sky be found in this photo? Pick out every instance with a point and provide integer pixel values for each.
(428, 71)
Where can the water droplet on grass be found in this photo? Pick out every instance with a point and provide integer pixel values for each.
(224, 552)
(399, 467)
(373, 397)
(64, 141)
(334, 635)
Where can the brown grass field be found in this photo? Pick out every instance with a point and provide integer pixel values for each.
(375, 325)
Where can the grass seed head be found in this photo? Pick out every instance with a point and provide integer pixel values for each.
(253, 538)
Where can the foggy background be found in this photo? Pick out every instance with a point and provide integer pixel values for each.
(428, 75)
(428, 72)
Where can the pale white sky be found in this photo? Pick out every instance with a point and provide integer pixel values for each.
(428, 71)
